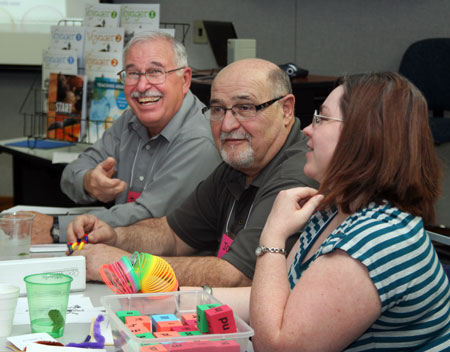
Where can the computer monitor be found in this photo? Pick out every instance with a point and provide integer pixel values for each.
(218, 34)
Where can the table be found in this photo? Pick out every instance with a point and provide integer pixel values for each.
(77, 332)
(36, 180)
(73, 332)
(309, 92)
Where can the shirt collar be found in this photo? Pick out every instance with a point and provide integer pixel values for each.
(236, 180)
(292, 138)
(172, 128)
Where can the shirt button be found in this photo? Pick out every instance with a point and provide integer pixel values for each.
(141, 178)
(147, 147)
(240, 221)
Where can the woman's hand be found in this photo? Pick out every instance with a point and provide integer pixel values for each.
(290, 212)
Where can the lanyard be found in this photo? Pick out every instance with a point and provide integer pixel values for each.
(231, 212)
(151, 169)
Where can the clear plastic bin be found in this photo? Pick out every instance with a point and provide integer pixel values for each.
(177, 303)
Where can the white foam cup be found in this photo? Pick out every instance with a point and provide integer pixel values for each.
(8, 302)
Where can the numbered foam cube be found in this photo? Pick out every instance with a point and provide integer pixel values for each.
(204, 345)
(190, 333)
(163, 334)
(202, 324)
(146, 335)
(220, 320)
(167, 325)
(192, 325)
(138, 329)
(186, 319)
(153, 348)
(127, 313)
(182, 328)
(186, 346)
(162, 317)
(143, 319)
(227, 346)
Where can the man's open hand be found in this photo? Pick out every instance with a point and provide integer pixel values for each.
(99, 183)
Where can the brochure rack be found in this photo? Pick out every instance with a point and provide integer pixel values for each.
(34, 106)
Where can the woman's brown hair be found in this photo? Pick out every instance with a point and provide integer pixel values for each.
(385, 150)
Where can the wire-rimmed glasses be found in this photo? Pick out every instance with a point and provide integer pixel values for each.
(154, 75)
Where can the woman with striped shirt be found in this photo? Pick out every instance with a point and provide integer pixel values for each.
(364, 274)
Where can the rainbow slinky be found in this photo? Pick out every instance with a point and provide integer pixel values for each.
(142, 272)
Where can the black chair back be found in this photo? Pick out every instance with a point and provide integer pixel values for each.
(426, 63)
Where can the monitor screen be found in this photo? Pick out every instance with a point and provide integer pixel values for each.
(218, 34)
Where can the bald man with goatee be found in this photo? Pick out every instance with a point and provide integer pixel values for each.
(210, 239)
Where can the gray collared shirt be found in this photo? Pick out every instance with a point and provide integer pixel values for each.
(165, 168)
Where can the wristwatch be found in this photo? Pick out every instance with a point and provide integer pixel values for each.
(54, 231)
(260, 250)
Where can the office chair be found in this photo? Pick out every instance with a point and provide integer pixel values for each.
(426, 64)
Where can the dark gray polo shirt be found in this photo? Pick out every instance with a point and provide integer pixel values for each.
(222, 203)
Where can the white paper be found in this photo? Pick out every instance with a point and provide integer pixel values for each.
(21, 341)
(35, 347)
(79, 310)
(41, 248)
(105, 326)
(64, 157)
(51, 210)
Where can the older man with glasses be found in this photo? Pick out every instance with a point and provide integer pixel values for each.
(211, 238)
(154, 155)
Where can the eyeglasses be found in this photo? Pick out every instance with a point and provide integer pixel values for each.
(317, 119)
(240, 111)
(153, 75)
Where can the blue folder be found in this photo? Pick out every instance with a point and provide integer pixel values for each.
(41, 144)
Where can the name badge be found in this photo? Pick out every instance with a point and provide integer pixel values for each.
(224, 245)
(132, 196)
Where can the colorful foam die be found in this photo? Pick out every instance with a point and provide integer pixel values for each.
(127, 313)
(153, 348)
(183, 347)
(227, 346)
(134, 325)
(186, 318)
(146, 335)
(138, 329)
(192, 325)
(164, 334)
(220, 320)
(202, 324)
(162, 317)
(204, 345)
(181, 328)
(167, 325)
(190, 333)
(144, 319)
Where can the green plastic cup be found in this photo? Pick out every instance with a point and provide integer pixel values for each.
(48, 295)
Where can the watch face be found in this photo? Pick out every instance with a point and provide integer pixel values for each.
(258, 251)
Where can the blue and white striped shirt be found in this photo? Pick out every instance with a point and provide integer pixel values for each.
(403, 265)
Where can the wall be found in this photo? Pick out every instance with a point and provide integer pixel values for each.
(325, 36)
(355, 36)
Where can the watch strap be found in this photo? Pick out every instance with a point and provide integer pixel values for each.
(260, 250)
(54, 231)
